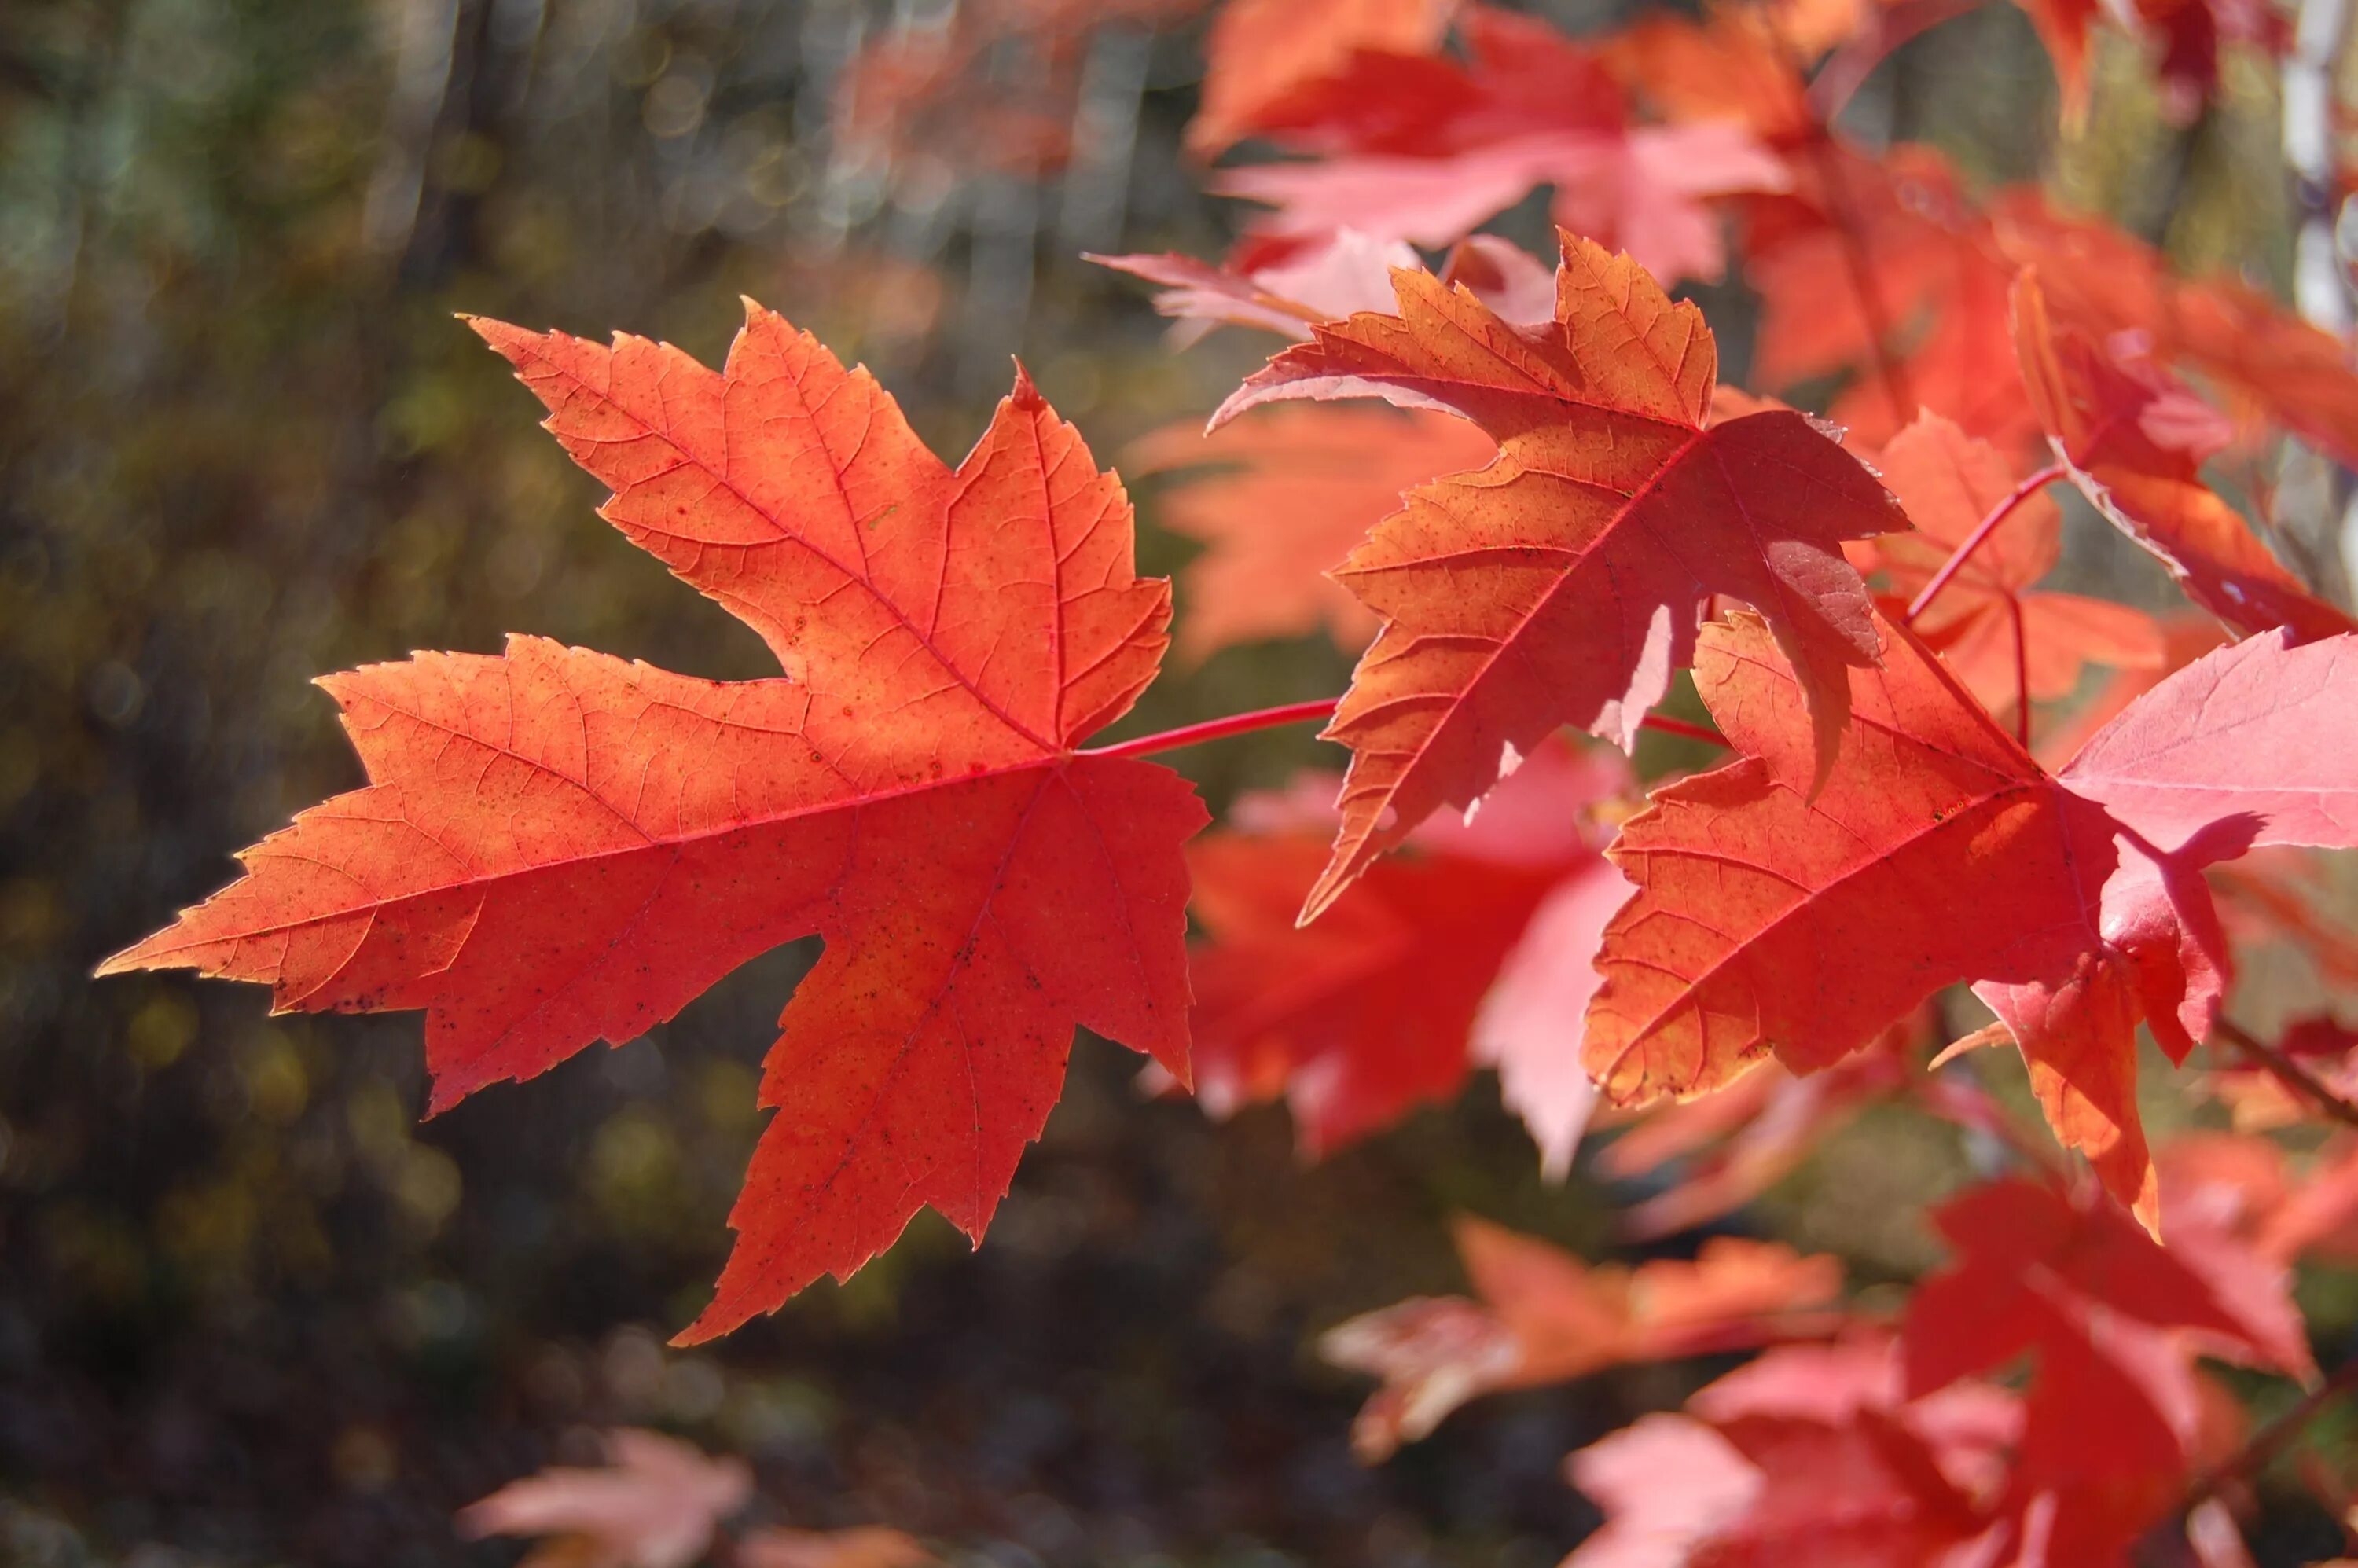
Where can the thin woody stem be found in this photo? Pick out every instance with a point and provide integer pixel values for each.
(1982, 531)
(2289, 1073)
(2274, 1437)
(1302, 713)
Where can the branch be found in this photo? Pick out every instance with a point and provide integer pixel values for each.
(1982, 531)
(2273, 1438)
(2289, 1073)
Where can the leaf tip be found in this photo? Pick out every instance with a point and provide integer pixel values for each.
(1025, 394)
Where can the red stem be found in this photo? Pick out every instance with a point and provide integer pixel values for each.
(1301, 712)
(2021, 673)
(1218, 729)
(1685, 731)
(1982, 531)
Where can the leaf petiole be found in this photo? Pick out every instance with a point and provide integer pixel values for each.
(1301, 712)
(1982, 531)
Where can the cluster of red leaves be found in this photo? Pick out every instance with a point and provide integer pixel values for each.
(1563, 510)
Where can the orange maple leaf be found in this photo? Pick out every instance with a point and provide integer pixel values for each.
(1564, 582)
(557, 846)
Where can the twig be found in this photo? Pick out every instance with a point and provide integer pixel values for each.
(2289, 1073)
(2273, 1438)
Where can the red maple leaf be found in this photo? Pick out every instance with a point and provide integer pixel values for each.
(1731, 65)
(2115, 1419)
(1564, 582)
(1937, 845)
(1810, 1454)
(1294, 490)
(1545, 1316)
(557, 846)
(1388, 1001)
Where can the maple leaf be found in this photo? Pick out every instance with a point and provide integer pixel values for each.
(1544, 1317)
(654, 1504)
(1266, 61)
(1297, 488)
(1564, 582)
(1455, 145)
(1756, 898)
(2263, 730)
(1286, 285)
(1381, 1006)
(558, 847)
(2114, 1423)
(2115, 426)
(1651, 1520)
(1988, 625)
(1809, 1454)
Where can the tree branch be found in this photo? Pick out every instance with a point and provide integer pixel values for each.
(2289, 1073)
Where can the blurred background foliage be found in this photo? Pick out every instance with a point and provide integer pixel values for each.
(250, 1310)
